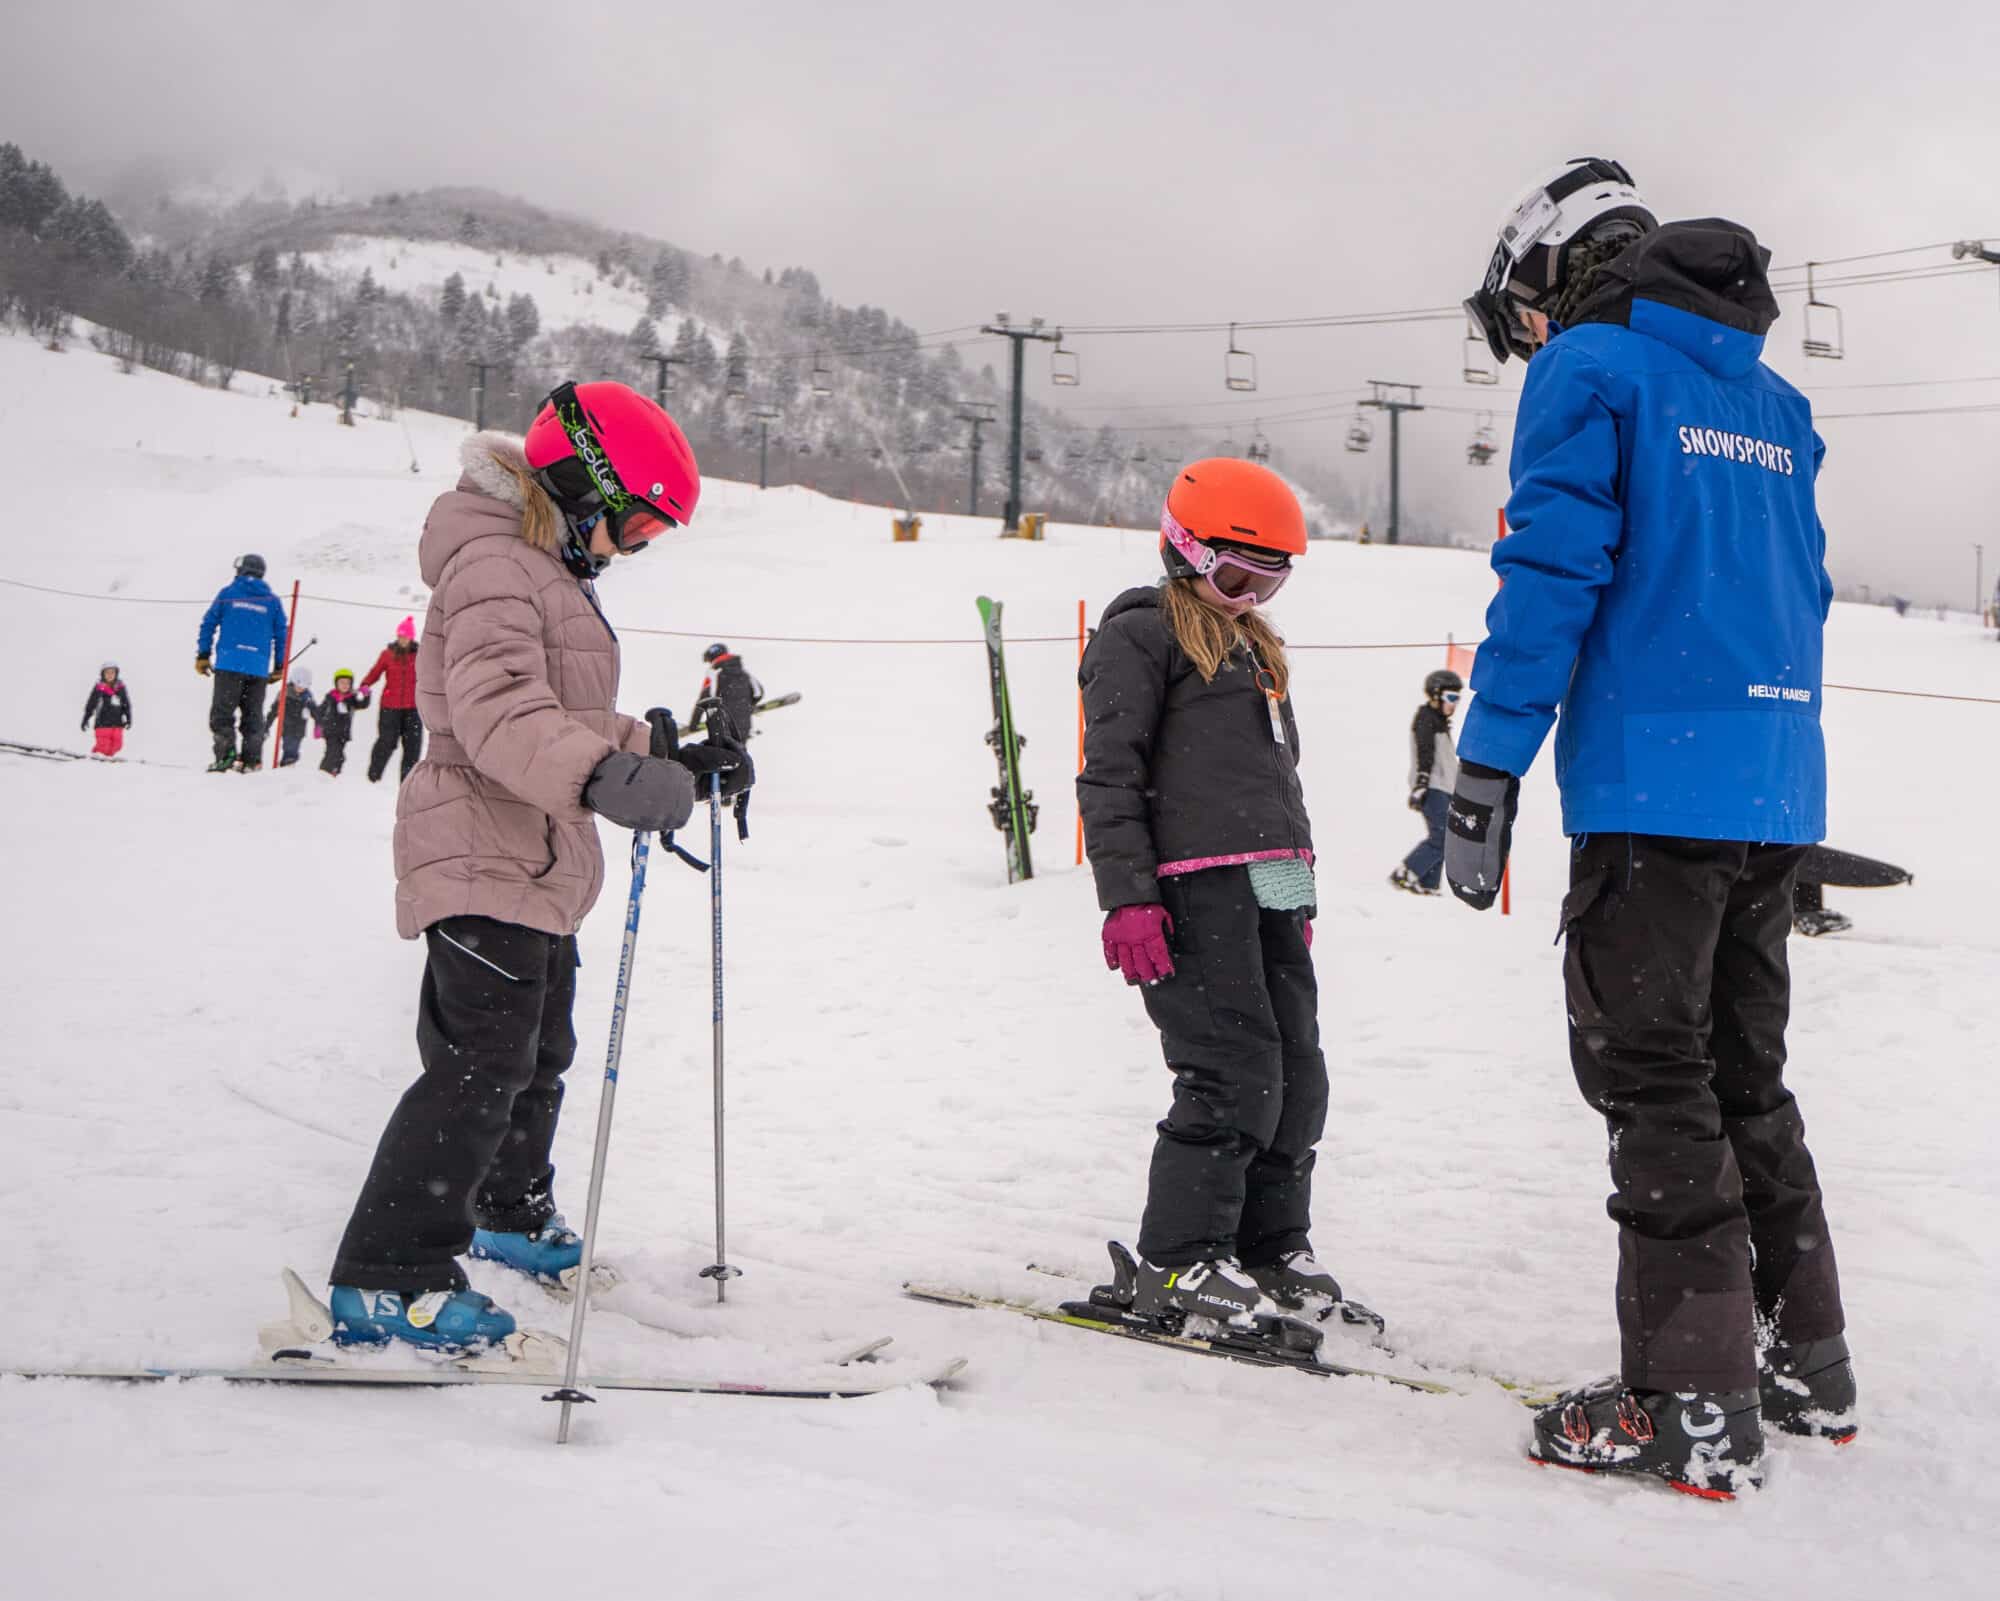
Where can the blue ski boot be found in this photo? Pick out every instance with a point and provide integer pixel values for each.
(549, 1255)
(456, 1322)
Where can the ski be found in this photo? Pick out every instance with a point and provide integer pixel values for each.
(47, 753)
(775, 702)
(1012, 807)
(1234, 1348)
(305, 1368)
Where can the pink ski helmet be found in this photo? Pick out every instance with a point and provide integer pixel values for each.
(605, 450)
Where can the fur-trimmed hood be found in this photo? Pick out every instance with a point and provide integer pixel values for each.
(483, 475)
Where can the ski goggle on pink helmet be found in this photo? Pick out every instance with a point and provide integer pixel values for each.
(1236, 577)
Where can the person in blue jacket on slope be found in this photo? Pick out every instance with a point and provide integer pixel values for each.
(249, 654)
(1663, 595)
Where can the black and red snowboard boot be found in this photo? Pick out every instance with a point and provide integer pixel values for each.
(1808, 1388)
(1705, 1443)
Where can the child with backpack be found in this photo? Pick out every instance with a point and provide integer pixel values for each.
(299, 706)
(1433, 773)
(1196, 829)
(336, 720)
(109, 709)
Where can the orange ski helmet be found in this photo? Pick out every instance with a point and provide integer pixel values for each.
(1234, 523)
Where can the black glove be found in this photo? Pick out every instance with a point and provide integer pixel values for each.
(201, 664)
(666, 733)
(1478, 830)
(640, 792)
(731, 761)
(1421, 789)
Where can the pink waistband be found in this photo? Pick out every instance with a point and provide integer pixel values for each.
(1195, 864)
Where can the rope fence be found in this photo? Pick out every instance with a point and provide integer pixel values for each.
(972, 640)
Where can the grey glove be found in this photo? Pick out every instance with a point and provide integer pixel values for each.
(641, 792)
(1419, 791)
(1478, 830)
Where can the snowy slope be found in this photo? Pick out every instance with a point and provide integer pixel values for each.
(567, 289)
(931, 1076)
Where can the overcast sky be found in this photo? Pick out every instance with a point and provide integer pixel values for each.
(1095, 162)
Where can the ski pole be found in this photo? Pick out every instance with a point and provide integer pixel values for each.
(719, 1269)
(569, 1394)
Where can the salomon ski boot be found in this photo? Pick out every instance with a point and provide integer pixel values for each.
(1815, 922)
(550, 1255)
(1404, 879)
(225, 760)
(1808, 1389)
(455, 1322)
(1705, 1443)
(1298, 1283)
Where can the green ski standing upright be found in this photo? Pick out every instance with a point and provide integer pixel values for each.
(1013, 807)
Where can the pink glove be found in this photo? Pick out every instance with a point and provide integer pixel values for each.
(1135, 943)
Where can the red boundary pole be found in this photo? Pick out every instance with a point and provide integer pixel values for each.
(1079, 726)
(285, 686)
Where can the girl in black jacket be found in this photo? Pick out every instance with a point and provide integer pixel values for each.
(336, 720)
(109, 708)
(1197, 834)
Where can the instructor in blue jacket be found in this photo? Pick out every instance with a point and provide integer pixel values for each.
(1663, 595)
(248, 655)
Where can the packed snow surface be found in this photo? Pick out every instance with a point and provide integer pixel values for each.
(931, 1076)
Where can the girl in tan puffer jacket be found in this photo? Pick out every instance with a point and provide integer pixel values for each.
(497, 859)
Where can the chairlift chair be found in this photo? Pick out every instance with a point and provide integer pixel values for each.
(1359, 435)
(1483, 448)
(1239, 367)
(1140, 455)
(1478, 358)
(1031, 453)
(1063, 366)
(738, 387)
(822, 377)
(1260, 447)
(1825, 331)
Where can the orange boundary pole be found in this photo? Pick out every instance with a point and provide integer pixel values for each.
(284, 688)
(1079, 727)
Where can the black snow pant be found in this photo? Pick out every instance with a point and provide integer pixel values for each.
(1679, 992)
(394, 723)
(468, 1144)
(1239, 1027)
(335, 757)
(237, 696)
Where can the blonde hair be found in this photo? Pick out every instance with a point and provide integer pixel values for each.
(541, 524)
(1208, 633)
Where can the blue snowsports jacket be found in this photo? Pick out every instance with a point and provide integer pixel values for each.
(252, 621)
(1663, 578)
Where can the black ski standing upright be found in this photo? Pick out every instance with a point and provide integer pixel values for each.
(1012, 807)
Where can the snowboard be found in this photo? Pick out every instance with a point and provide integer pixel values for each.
(1844, 870)
(1012, 808)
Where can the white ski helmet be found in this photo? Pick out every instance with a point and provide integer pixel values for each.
(303, 677)
(1588, 198)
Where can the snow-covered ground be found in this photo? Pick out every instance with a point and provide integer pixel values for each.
(567, 289)
(931, 1076)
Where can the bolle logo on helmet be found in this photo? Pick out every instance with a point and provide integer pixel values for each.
(576, 426)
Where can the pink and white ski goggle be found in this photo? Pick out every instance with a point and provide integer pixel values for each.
(1236, 578)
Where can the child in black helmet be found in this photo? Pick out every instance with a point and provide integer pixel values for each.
(730, 682)
(109, 710)
(1433, 772)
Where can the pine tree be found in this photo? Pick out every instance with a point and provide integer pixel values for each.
(645, 338)
(218, 278)
(524, 321)
(452, 302)
(264, 268)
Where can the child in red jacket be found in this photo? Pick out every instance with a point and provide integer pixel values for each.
(397, 721)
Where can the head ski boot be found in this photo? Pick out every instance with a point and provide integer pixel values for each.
(1808, 1388)
(1815, 921)
(1705, 1443)
(1404, 879)
(454, 1322)
(1298, 1283)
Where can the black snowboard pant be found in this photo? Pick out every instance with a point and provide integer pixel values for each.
(237, 696)
(468, 1144)
(393, 724)
(1239, 1027)
(335, 757)
(1679, 992)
